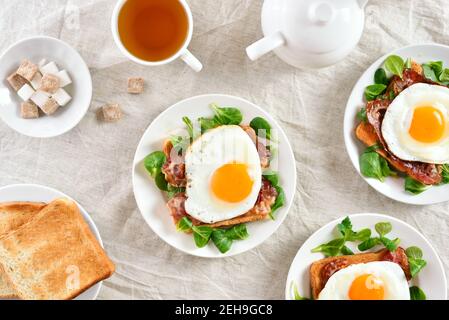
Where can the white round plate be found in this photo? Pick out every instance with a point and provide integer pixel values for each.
(431, 279)
(38, 193)
(67, 117)
(392, 187)
(151, 201)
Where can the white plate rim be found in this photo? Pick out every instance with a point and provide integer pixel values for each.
(83, 65)
(85, 214)
(348, 129)
(288, 147)
(382, 217)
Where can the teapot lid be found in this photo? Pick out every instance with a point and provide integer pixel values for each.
(315, 26)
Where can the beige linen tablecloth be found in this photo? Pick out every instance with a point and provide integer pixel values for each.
(92, 163)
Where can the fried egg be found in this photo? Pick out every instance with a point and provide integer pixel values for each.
(224, 175)
(416, 124)
(379, 280)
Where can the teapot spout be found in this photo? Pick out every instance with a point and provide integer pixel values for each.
(362, 3)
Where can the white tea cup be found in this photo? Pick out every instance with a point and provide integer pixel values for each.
(182, 53)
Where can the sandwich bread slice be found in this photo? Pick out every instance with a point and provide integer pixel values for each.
(322, 270)
(12, 216)
(54, 256)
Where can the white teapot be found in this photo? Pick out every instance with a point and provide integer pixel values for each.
(310, 33)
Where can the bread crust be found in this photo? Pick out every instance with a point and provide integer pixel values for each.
(318, 280)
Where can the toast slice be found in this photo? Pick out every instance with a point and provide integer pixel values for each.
(321, 270)
(54, 256)
(12, 216)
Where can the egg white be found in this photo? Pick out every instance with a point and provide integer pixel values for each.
(397, 121)
(212, 150)
(391, 274)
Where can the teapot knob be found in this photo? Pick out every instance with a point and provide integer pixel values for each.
(322, 12)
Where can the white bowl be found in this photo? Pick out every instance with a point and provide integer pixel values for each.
(65, 118)
(38, 193)
(151, 201)
(431, 279)
(392, 187)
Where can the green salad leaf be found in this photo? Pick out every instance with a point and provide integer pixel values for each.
(160, 181)
(414, 187)
(380, 77)
(273, 178)
(154, 162)
(221, 241)
(201, 235)
(222, 238)
(382, 229)
(173, 191)
(361, 115)
(227, 115)
(238, 232)
(416, 293)
(261, 125)
(408, 63)
(222, 116)
(444, 77)
(184, 225)
(415, 260)
(395, 65)
(207, 124)
(190, 128)
(372, 165)
(296, 295)
(337, 246)
(445, 173)
(433, 70)
(374, 90)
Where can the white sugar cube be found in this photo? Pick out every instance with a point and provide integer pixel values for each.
(62, 97)
(40, 98)
(50, 68)
(64, 78)
(25, 92)
(42, 63)
(36, 82)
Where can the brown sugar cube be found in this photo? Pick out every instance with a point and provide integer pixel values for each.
(27, 70)
(50, 107)
(111, 112)
(49, 83)
(135, 85)
(16, 81)
(28, 110)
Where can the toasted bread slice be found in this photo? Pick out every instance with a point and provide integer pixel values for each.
(12, 216)
(55, 255)
(319, 278)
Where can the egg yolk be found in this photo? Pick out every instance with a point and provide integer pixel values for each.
(231, 182)
(367, 287)
(427, 125)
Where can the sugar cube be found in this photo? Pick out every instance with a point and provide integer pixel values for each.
(25, 92)
(42, 63)
(64, 78)
(62, 97)
(16, 81)
(40, 98)
(36, 82)
(50, 106)
(28, 110)
(27, 69)
(50, 68)
(49, 83)
(135, 85)
(111, 112)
